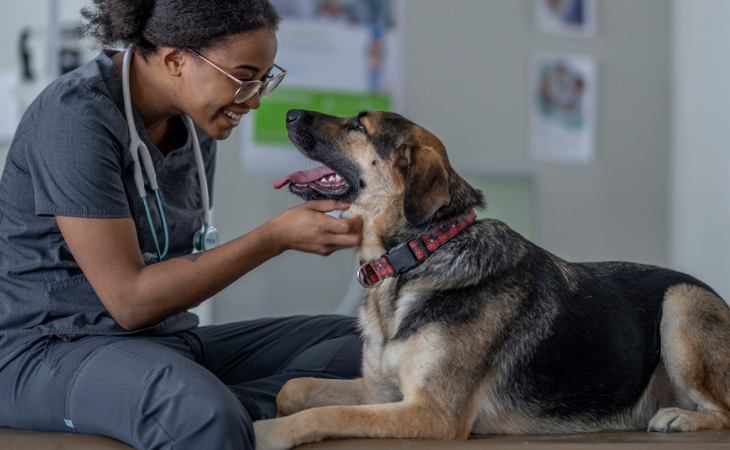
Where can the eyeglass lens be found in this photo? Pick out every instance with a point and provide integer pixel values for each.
(246, 91)
(272, 84)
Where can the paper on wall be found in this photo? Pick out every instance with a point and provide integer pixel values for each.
(562, 108)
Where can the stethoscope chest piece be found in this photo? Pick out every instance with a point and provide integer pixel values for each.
(206, 238)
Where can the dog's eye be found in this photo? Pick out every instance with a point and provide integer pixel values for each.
(356, 125)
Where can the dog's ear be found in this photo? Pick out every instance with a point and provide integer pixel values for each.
(426, 183)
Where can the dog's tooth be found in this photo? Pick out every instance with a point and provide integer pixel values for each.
(338, 178)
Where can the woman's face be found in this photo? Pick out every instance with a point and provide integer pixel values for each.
(209, 93)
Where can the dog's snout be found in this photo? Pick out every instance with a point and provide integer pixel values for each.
(293, 115)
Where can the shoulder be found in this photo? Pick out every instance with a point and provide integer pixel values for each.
(77, 108)
(77, 120)
(91, 92)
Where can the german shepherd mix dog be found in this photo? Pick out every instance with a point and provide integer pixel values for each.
(470, 328)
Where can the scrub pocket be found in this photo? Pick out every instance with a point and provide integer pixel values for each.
(106, 391)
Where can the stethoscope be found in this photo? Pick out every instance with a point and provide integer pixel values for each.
(207, 237)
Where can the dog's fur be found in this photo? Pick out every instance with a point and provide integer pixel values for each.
(493, 334)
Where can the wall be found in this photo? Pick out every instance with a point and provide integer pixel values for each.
(32, 14)
(613, 209)
(466, 78)
(700, 186)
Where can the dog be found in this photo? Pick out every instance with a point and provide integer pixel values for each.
(489, 333)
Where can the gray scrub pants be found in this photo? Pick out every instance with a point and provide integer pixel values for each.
(196, 389)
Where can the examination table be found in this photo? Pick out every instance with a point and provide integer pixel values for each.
(616, 440)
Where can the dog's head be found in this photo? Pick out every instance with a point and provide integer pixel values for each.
(382, 163)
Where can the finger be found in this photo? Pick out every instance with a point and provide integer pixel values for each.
(327, 205)
(344, 226)
(355, 223)
(340, 241)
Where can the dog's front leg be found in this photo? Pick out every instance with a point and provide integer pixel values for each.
(407, 419)
(304, 393)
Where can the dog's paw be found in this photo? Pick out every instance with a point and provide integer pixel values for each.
(299, 394)
(271, 435)
(670, 420)
(292, 397)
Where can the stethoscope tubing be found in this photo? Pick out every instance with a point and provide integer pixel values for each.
(137, 147)
(202, 179)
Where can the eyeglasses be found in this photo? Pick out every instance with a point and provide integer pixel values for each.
(246, 89)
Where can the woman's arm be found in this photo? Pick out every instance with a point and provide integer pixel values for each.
(136, 295)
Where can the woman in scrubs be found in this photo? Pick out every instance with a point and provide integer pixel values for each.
(95, 336)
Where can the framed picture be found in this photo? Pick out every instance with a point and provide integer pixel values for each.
(566, 17)
(562, 108)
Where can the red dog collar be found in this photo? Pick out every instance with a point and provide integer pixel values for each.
(407, 255)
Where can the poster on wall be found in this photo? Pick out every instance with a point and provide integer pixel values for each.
(341, 57)
(566, 17)
(562, 108)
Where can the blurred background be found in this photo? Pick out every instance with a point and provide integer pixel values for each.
(650, 182)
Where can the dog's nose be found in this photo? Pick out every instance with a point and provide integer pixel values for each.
(293, 115)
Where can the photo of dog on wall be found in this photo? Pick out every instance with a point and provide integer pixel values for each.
(575, 18)
(469, 328)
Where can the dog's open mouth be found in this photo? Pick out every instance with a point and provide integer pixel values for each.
(322, 179)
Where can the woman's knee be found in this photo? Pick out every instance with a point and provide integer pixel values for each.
(199, 416)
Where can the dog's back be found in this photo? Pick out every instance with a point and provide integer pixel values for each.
(585, 351)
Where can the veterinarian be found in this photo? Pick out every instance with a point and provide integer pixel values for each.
(100, 204)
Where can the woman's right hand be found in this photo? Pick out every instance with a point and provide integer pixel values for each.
(307, 228)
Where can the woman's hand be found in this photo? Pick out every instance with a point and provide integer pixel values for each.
(307, 229)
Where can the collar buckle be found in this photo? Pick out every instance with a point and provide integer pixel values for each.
(401, 258)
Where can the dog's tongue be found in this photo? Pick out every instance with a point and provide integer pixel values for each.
(304, 176)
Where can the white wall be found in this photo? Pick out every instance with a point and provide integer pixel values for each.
(700, 174)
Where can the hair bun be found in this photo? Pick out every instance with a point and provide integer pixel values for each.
(129, 17)
(118, 22)
(150, 24)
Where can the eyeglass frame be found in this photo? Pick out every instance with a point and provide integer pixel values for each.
(261, 84)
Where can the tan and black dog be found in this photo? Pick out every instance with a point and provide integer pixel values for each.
(491, 334)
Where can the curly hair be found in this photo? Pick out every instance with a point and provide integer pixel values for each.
(196, 24)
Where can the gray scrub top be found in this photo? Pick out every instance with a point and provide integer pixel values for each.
(70, 157)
